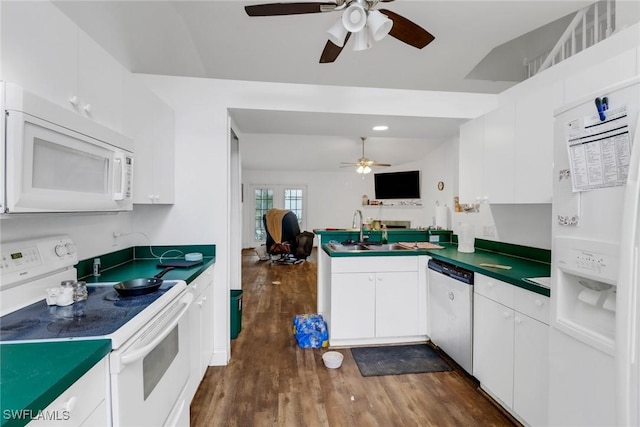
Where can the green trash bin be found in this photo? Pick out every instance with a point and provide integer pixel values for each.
(236, 313)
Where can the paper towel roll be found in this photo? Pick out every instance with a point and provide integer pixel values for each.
(442, 217)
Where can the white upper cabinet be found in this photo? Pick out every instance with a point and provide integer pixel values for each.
(471, 160)
(534, 144)
(601, 74)
(150, 122)
(487, 157)
(499, 155)
(40, 50)
(47, 54)
(100, 84)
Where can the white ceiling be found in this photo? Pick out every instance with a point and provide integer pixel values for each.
(217, 39)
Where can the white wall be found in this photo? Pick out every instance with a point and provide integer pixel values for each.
(92, 233)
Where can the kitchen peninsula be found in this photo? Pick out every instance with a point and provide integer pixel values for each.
(370, 295)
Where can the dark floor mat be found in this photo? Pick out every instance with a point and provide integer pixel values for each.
(398, 360)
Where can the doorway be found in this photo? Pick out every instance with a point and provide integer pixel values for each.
(262, 197)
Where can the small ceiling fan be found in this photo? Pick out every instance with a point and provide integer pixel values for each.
(359, 17)
(363, 164)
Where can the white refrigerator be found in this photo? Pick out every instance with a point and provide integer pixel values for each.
(593, 347)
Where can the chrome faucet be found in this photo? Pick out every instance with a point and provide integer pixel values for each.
(358, 224)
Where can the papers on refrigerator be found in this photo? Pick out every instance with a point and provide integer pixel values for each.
(599, 151)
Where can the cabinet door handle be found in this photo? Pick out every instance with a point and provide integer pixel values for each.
(74, 100)
(506, 314)
(451, 296)
(87, 108)
(518, 320)
(538, 303)
(371, 278)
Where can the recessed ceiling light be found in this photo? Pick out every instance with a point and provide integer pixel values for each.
(381, 127)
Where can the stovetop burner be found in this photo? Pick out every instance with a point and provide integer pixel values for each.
(103, 313)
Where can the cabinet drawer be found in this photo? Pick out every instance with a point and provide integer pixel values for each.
(532, 304)
(377, 264)
(200, 283)
(78, 402)
(494, 289)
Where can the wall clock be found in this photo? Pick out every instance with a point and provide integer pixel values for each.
(440, 185)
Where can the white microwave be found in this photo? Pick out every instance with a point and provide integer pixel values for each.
(58, 161)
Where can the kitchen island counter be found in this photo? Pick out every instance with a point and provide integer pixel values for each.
(521, 267)
(34, 374)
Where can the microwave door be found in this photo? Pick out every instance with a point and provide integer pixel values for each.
(54, 169)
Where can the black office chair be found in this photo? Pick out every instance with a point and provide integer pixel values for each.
(291, 246)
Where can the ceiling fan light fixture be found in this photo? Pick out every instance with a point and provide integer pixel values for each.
(363, 169)
(354, 18)
(379, 25)
(362, 41)
(337, 33)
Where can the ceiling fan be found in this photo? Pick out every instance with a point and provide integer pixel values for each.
(363, 164)
(359, 17)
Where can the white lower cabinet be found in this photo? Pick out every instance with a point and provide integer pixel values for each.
(82, 404)
(531, 370)
(200, 330)
(396, 304)
(493, 348)
(510, 347)
(353, 306)
(375, 299)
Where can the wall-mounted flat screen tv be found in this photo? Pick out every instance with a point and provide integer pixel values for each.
(397, 185)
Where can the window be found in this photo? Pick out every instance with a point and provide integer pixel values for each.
(293, 202)
(264, 197)
(263, 201)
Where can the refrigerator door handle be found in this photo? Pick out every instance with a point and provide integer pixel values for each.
(628, 298)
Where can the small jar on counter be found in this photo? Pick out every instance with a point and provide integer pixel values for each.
(80, 292)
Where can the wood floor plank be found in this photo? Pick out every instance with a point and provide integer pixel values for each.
(270, 381)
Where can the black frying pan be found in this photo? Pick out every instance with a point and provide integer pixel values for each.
(129, 288)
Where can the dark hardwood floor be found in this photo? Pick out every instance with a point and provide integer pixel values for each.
(270, 381)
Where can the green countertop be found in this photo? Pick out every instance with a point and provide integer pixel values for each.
(521, 267)
(34, 374)
(141, 268)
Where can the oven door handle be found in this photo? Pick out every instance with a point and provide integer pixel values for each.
(138, 354)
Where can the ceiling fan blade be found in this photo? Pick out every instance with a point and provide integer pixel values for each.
(407, 31)
(331, 50)
(276, 9)
(379, 164)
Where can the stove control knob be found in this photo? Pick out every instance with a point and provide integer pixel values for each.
(61, 250)
(71, 248)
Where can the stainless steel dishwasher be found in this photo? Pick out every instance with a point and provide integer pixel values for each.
(451, 311)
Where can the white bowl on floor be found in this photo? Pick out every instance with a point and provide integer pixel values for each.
(332, 359)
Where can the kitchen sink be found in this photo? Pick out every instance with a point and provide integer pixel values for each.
(345, 247)
(386, 247)
(369, 246)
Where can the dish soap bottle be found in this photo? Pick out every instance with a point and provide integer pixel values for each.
(385, 238)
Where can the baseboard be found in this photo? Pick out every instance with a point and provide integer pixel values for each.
(219, 358)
